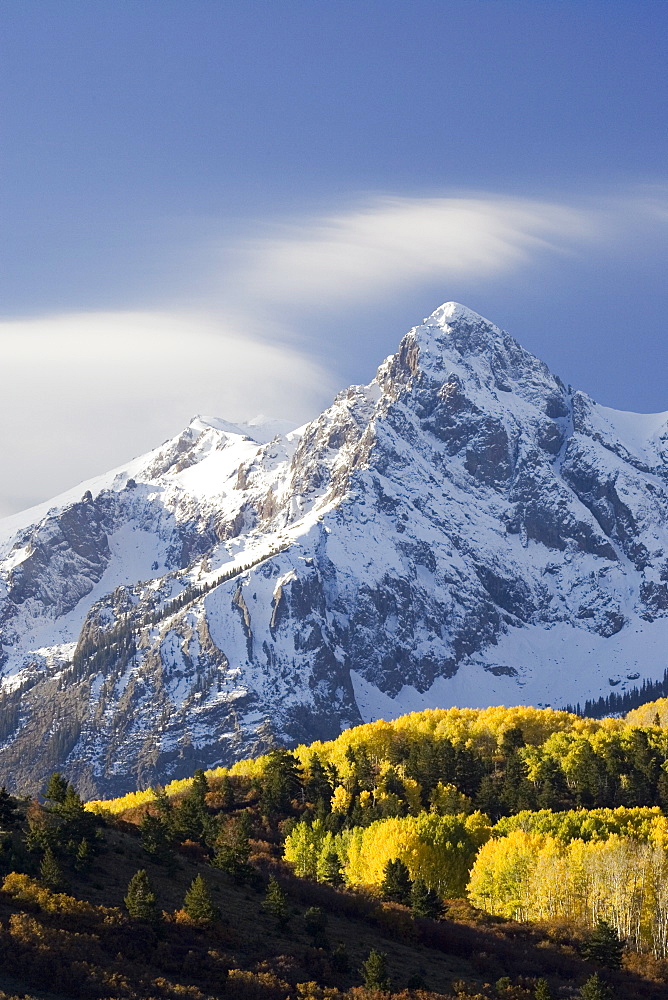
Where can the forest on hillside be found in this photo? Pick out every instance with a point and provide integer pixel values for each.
(505, 853)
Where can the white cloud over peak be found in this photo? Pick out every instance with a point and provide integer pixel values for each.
(396, 243)
(87, 391)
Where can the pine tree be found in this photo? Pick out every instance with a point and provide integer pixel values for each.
(200, 786)
(329, 869)
(50, 871)
(83, 853)
(604, 946)
(191, 818)
(233, 851)
(198, 903)
(374, 971)
(396, 885)
(425, 902)
(275, 902)
(596, 989)
(56, 788)
(7, 808)
(71, 810)
(280, 784)
(155, 838)
(140, 900)
(318, 788)
(542, 990)
(226, 793)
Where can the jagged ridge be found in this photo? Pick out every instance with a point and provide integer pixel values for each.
(464, 530)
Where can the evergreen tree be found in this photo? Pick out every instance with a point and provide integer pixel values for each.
(396, 885)
(468, 771)
(155, 838)
(374, 971)
(280, 783)
(50, 871)
(84, 854)
(140, 900)
(163, 803)
(76, 822)
(198, 903)
(233, 850)
(275, 902)
(318, 788)
(7, 808)
(329, 869)
(56, 788)
(200, 786)
(226, 792)
(542, 990)
(603, 945)
(596, 989)
(488, 798)
(425, 902)
(662, 790)
(191, 819)
(553, 792)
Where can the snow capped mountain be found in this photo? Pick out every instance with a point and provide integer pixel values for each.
(464, 530)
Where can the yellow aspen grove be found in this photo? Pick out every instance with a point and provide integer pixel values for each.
(437, 849)
(532, 876)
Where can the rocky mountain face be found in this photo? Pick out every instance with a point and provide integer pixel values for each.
(464, 530)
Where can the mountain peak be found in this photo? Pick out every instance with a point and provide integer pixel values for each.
(454, 312)
(465, 530)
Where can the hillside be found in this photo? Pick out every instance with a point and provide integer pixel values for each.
(326, 824)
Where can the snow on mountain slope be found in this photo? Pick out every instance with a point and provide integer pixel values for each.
(464, 530)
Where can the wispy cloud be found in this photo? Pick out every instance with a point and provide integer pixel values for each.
(394, 243)
(84, 392)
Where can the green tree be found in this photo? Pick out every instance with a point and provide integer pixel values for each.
(84, 854)
(200, 785)
(226, 792)
(317, 787)
(198, 903)
(140, 899)
(275, 902)
(425, 902)
(50, 871)
(280, 783)
(542, 990)
(155, 838)
(603, 945)
(396, 885)
(329, 868)
(56, 788)
(374, 971)
(596, 989)
(191, 819)
(8, 811)
(233, 851)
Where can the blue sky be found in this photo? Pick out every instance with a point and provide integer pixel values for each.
(235, 207)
